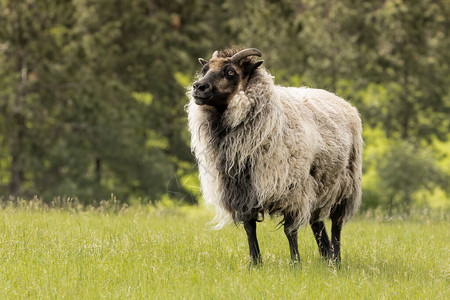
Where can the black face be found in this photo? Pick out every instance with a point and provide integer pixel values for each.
(218, 82)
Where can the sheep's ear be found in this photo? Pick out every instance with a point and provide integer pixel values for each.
(202, 61)
(248, 68)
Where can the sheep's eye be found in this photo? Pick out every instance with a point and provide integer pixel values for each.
(231, 73)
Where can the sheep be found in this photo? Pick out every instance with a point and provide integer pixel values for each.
(267, 149)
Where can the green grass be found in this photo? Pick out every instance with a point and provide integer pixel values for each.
(142, 252)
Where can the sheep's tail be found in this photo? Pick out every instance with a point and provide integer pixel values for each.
(353, 199)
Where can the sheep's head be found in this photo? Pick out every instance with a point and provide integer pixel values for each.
(223, 76)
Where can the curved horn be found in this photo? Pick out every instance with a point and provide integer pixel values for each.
(244, 53)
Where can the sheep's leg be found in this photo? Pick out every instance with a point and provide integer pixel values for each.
(291, 233)
(321, 236)
(336, 228)
(255, 254)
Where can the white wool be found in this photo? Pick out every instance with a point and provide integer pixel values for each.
(303, 146)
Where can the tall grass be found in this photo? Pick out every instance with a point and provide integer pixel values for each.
(143, 252)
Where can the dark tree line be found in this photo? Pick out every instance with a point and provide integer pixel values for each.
(92, 93)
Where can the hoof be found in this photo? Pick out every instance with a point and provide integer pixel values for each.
(255, 264)
(334, 263)
(296, 265)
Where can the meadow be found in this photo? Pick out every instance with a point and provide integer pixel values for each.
(144, 252)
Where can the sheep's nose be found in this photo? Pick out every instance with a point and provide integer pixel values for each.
(202, 86)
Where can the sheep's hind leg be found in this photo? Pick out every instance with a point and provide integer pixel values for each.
(321, 236)
(255, 254)
(336, 228)
(291, 233)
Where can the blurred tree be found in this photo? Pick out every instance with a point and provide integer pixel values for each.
(92, 93)
(271, 26)
(403, 171)
(408, 93)
(388, 58)
(414, 66)
(91, 121)
(29, 34)
(396, 46)
(330, 34)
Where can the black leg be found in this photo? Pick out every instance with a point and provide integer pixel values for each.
(336, 228)
(320, 234)
(255, 254)
(291, 233)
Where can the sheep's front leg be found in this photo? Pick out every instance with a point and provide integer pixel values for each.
(255, 254)
(291, 233)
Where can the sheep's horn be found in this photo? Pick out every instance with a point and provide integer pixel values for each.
(215, 54)
(244, 53)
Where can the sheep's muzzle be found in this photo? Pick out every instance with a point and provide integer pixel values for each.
(201, 92)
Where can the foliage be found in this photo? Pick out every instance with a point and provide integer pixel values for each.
(92, 93)
(398, 174)
(405, 170)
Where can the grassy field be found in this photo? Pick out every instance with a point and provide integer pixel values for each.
(143, 252)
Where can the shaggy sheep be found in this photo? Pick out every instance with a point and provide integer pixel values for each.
(266, 149)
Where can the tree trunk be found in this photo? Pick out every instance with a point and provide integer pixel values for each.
(407, 202)
(391, 204)
(18, 120)
(17, 149)
(17, 141)
(406, 103)
(98, 170)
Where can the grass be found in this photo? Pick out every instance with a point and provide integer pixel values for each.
(142, 252)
